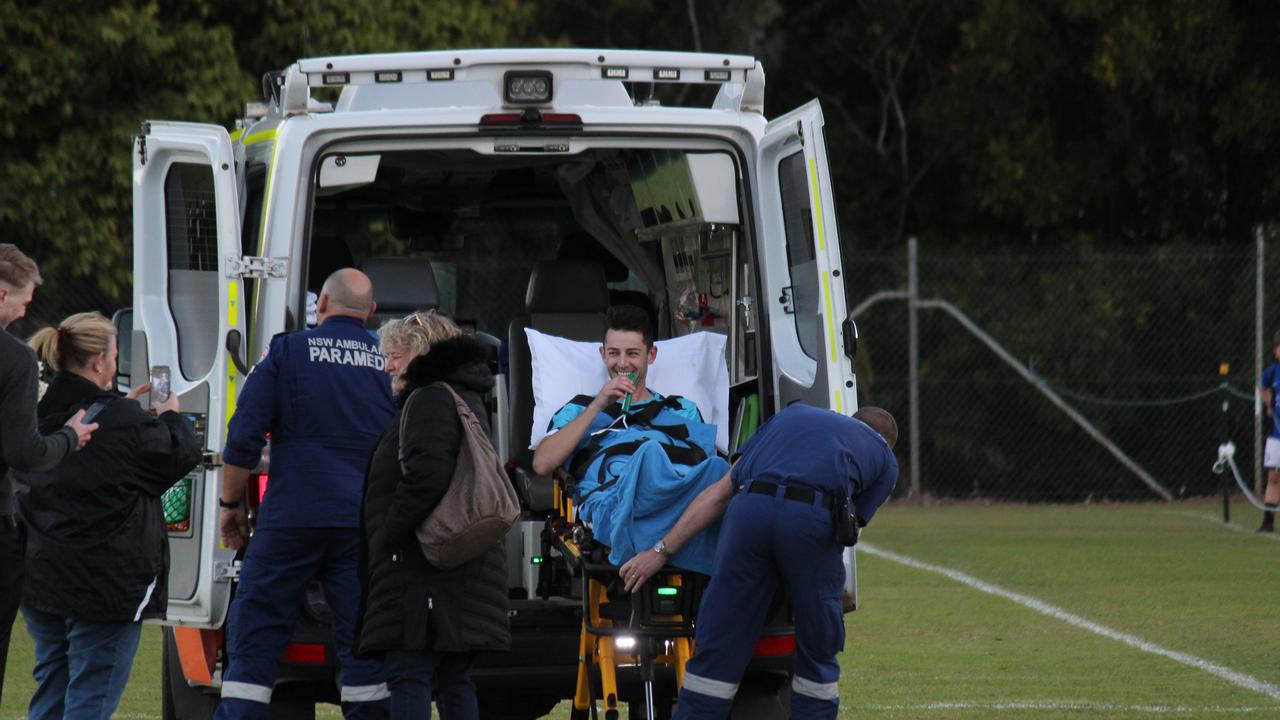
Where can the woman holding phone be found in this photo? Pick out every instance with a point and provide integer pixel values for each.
(97, 550)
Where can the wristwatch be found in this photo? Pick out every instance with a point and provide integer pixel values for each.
(229, 505)
(661, 548)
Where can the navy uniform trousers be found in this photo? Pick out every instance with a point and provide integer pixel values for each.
(765, 541)
(278, 566)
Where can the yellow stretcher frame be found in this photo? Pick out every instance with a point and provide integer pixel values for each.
(597, 642)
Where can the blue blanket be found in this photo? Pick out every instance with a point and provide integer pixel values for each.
(641, 495)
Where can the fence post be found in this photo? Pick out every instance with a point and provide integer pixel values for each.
(1258, 353)
(913, 341)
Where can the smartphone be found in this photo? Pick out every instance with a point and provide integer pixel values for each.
(159, 385)
(94, 410)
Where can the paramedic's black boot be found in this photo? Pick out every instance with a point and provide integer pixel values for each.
(1268, 520)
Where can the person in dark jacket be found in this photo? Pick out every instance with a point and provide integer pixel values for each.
(427, 623)
(21, 447)
(97, 550)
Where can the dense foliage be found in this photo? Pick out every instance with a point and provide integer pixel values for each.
(988, 122)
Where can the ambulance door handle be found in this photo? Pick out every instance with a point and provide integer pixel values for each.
(234, 340)
(850, 331)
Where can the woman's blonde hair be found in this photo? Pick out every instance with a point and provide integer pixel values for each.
(416, 333)
(74, 342)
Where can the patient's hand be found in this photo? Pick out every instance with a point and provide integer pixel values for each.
(636, 571)
(613, 391)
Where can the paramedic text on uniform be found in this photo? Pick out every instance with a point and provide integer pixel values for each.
(324, 396)
(23, 447)
(778, 527)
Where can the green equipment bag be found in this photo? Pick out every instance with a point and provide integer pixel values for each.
(177, 505)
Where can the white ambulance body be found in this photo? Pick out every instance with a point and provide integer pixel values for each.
(450, 176)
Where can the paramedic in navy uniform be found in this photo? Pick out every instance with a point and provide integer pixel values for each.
(324, 396)
(778, 528)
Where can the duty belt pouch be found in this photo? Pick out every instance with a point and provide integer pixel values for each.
(845, 520)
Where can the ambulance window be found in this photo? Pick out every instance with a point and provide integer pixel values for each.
(797, 217)
(255, 186)
(191, 237)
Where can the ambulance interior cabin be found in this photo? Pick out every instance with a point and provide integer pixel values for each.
(503, 242)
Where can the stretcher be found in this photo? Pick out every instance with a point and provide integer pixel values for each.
(650, 631)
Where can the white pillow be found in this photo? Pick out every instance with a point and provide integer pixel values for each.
(692, 366)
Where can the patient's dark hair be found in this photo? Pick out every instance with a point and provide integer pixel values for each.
(881, 421)
(630, 318)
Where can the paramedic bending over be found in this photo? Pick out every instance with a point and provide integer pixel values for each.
(778, 527)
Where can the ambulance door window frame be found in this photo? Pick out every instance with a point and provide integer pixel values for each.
(802, 265)
(195, 229)
(252, 244)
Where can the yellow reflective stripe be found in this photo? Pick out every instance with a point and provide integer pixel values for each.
(235, 134)
(233, 302)
(817, 203)
(831, 338)
(263, 136)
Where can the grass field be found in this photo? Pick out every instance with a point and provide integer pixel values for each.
(1008, 611)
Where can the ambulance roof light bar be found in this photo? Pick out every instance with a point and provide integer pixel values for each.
(741, 78)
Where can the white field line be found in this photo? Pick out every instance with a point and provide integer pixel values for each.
(1236, 678)
(1217, 520)
(1067, 705)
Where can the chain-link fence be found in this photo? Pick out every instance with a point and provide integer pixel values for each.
(1119, 365)
(61, 294)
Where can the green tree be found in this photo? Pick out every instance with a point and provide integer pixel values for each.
(81, 78)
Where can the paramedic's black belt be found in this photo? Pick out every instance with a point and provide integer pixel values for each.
(791, 492)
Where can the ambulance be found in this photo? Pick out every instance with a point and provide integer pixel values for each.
(508, 189)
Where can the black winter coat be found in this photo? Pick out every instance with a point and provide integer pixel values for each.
(97, 548)
(409, 604)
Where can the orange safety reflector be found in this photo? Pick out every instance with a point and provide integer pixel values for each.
(305, 653)
(775, 646)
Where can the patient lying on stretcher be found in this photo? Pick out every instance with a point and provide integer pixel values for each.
(639, 457)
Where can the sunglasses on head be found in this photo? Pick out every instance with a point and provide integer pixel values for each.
(416, 317)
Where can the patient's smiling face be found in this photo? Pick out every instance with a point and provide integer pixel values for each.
(624, 351)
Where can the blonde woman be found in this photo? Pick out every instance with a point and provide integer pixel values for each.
(97, 555)
(427, 623)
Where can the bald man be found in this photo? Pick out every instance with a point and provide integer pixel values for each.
(324, 396)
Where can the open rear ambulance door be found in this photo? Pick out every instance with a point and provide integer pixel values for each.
(811, 337)
(188, 314)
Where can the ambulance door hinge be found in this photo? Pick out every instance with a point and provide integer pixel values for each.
(211, 460)
(262, 268)
(142, 147)
(787, 298)
(226, 571)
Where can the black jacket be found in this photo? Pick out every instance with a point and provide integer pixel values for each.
(409, 604)
(97, 548)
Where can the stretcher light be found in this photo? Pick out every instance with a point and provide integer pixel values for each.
(624, 642)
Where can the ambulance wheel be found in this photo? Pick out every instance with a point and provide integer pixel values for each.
(515, 705)
(178, 700)
(764, 699)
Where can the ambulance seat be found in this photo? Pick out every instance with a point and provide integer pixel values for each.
(567, 298)
(400, 286)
